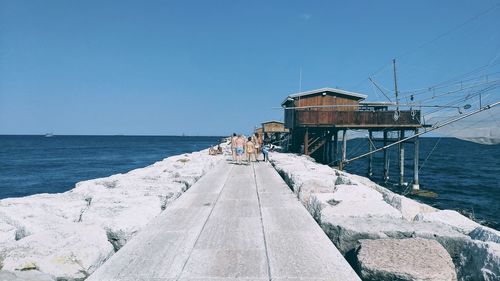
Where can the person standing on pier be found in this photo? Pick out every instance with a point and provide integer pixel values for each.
(265, 153)
(239, 148)
(250, 149)
(255, 140)
(233, 146)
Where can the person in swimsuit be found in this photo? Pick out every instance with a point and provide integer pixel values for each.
(233, 146)
(255, 140)
(239, 145)
(250, 149)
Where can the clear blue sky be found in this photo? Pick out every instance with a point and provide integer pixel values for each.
(214, 67)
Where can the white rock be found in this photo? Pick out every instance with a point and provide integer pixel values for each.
(68, 235)
(409, 208)
(451, 218)
(356, 193)
(351, 213)
(74, 251)
(345, 232)
(7, 232)
(364, 209)
(404, 259)
(30, 275)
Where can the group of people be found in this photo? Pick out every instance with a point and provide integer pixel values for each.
(251, 147)
(215, 150)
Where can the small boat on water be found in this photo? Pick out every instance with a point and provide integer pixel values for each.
(49, 135)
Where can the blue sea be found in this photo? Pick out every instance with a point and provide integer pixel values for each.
(39, 164)
(464, 175)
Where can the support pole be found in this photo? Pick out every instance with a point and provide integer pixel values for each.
(401, 158)
(326, 149)
(416, 185)
(335, 145)
(386, 159)
(370, 158)
(330, 148)
(344, 149)
(306, 142)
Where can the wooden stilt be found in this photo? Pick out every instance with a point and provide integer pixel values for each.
(306, 142)
(328, 148)
(370, 158)
(401, 158)
(386, 159)
(416, 184)
(325, 151)
(335, 146)
(344, 149)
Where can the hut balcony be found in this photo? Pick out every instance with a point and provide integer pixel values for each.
(406, 119)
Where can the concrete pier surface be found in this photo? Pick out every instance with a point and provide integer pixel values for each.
(238, 222)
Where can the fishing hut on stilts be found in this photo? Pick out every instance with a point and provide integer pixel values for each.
(316, 118)
(273, 132)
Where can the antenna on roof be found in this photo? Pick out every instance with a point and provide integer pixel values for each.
(395, 84)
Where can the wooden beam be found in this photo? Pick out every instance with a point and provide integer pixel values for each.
(335, 145)
(386, 159)
(306, 142)
(344, 149)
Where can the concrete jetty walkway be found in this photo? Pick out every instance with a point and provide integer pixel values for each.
(238, 222)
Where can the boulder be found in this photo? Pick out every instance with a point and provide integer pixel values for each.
(355, 208)
(31, 275)
(68, 235)
(409, 208)
(450, 218)
(72, 252)
(363, 209)
(404, 259)
(345, 232)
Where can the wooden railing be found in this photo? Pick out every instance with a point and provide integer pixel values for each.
(406, 118)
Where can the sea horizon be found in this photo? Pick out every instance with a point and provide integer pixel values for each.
(35, 164)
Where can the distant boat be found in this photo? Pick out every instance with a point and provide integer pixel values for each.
(49, 135)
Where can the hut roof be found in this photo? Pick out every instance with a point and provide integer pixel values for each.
(272, 121)
(325, 90)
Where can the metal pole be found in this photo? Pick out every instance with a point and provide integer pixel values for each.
(402, 159)
(370, 158)
(395, 84)
(416, 184)
(386, 159)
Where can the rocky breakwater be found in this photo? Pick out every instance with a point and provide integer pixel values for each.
(386, 236)
(67, 236)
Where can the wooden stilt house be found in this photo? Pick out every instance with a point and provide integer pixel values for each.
(315, 117)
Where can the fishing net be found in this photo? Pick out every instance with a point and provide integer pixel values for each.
(483, 128)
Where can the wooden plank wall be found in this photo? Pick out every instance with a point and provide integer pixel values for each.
(319, 99)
